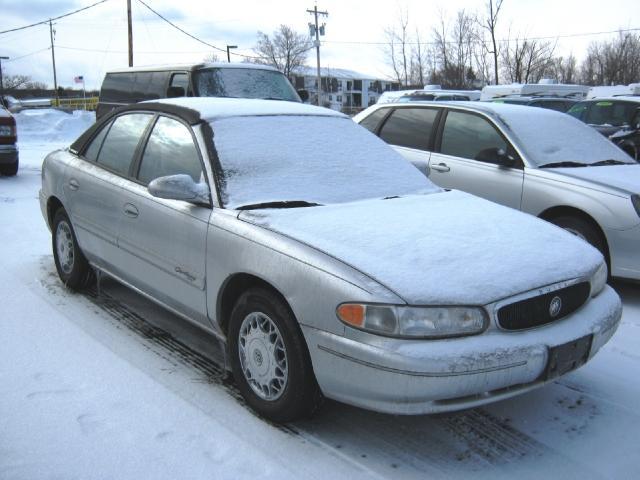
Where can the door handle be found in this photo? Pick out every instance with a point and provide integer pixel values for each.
(73, 184)
(440, 167)
(130, 210)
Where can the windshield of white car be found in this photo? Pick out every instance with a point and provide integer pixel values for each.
(303, 158)
(244, 83)
(550, 137)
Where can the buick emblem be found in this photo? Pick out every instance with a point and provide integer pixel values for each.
(555, 306)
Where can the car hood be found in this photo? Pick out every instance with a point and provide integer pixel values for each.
(447, 248)
(621, 177)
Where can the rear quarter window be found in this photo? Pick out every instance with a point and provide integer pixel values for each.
(372, 122)
(409, 127)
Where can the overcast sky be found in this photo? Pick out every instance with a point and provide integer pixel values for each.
(94, 41)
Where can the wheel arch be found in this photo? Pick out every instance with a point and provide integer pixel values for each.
(234, 286)
(566, 211)
(53, 204)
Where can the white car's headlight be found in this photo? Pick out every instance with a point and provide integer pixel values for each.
(599, 279)
(414, 322)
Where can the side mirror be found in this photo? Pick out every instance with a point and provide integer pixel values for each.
(180, 187)
(304, 95)
(496, 155)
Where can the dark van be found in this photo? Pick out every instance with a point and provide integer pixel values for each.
(236, 80)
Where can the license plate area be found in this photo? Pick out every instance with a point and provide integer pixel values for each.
(567, 357)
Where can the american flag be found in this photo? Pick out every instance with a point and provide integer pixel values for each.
(79, 79)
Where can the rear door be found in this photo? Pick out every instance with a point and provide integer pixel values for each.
(163, 242)
(94, 184)
(463, 159)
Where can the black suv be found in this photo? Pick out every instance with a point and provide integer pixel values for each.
(8, 139)
(237, 80)
(617, 118)
(559, 104)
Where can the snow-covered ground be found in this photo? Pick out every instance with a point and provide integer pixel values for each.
(94, 387)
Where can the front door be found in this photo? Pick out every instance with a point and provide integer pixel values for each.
(466, 160)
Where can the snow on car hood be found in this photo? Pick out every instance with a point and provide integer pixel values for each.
(624, 177)
(444, 248)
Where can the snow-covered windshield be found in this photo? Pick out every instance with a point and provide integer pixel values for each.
(318, 160)
(244, 83)
(550, 137)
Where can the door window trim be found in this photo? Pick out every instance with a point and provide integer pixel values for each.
(511, 148)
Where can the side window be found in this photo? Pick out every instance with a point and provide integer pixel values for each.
(610, 113)
(409, 127)
(117, 88)
(157, 85)
(179, 85)
(471, 136)
(91, 153)
(170, 151)
(578, 110)
(120, 145)
(372, 121)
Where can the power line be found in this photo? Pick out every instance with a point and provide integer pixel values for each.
(55, 18)
(194, 37)
(550, 37)
(28, 54)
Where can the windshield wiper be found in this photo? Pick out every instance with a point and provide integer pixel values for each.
(563, 164)
(608, 162)
(280, 204)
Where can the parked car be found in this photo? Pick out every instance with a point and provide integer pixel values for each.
(558, 104)
(535, 160)
(9, 158)
(376, 288)
(617, 118)
(236, 80)
(428, 94)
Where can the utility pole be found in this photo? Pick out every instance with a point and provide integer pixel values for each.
(130, 30)
(53, 59)
(318, 31)
(229, 47)
(2, 82)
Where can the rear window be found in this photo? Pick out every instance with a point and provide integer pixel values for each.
(244, 83)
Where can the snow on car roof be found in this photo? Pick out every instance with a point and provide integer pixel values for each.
(211, 108)
(192, 66)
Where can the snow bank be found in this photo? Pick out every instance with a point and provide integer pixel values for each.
(50, 125)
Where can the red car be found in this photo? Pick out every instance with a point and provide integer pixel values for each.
(8, 139)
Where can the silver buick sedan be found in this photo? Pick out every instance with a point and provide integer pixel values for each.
(326, 264)
(539, 161)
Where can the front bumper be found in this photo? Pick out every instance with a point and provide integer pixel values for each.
(428, 376)
(624, 246)
(8, 154)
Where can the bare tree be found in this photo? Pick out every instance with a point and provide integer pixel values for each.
(489, 24)
(212, 57)
(11, 82)
(420, 56)
(397, 48)
(612, 62)
(285, 50)
(526, 60)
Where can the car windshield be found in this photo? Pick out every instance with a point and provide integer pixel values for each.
(553, 137)
(244, 83)
(302, 160)
(612, 113)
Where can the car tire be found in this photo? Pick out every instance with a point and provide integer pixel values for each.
(9, 170)
(72, 266)
(583, 229)
(262, 329)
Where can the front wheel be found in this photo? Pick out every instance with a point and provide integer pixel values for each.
(583, 229)
(269, 358)
(72, 266)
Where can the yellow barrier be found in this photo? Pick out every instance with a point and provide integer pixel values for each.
(90, 103)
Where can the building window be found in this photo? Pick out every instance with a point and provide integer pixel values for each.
(339, 98)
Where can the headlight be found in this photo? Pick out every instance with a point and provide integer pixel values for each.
(635, 200)
(599, 279)
(414, 322)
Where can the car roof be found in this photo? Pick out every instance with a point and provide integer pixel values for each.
(617, 98)
(193, 66)
(194, 110)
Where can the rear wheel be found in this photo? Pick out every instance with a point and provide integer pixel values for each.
(269, 358)
(72, 266)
